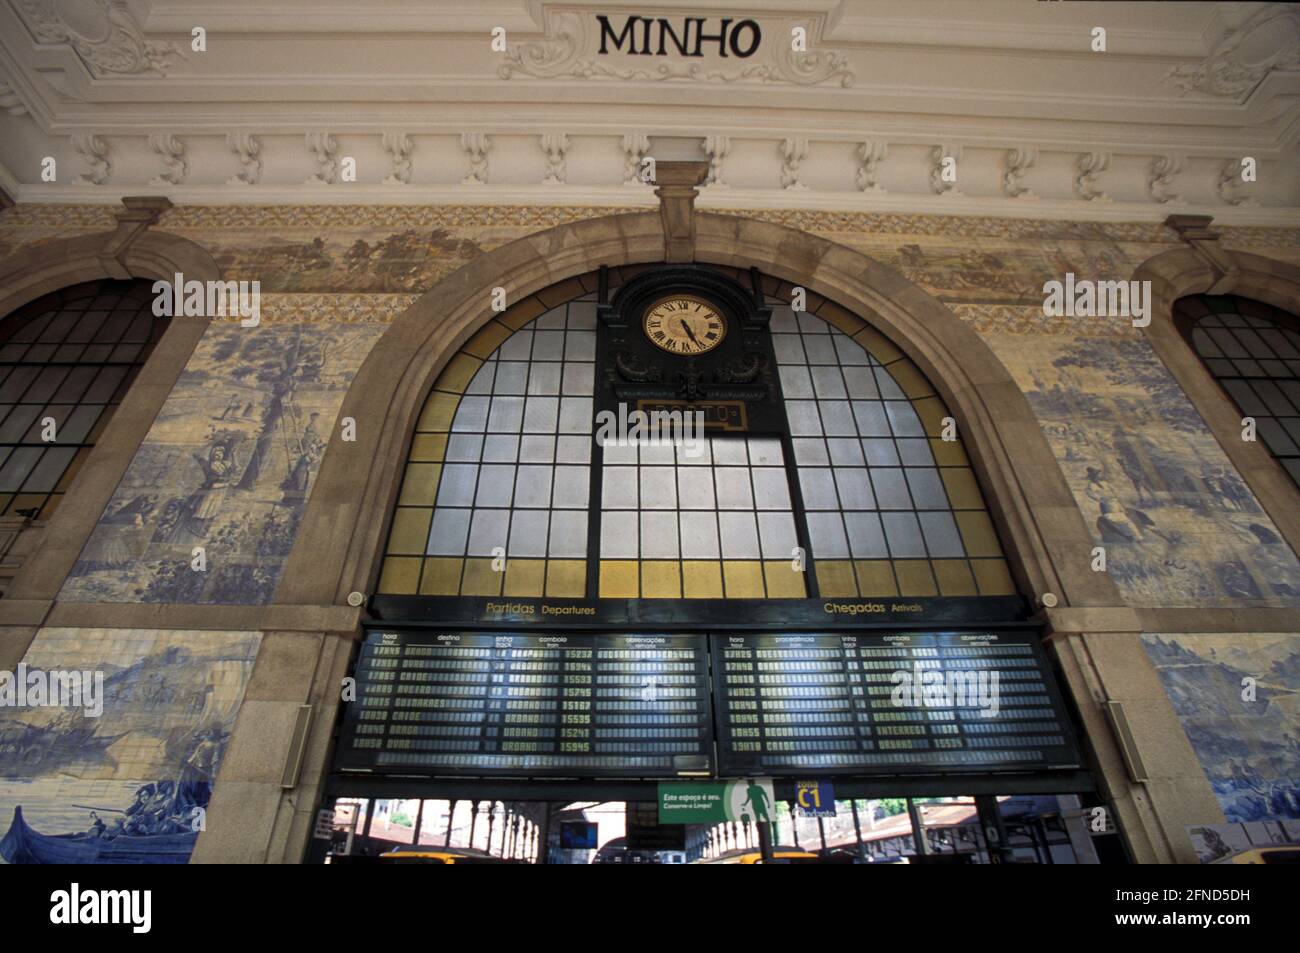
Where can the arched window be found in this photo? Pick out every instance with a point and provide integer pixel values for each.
(67, 358)
(859, 495)
(1253, 351)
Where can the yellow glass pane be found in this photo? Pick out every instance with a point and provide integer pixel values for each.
(954, 577)
(835, 577)
(400, 576)
(410, 532)
(783, 580)
(420, 486)
(743, 578)
(914, 578)
(460, 370)
(701, 580)
(486, 340)
(429, 447)
(441, 576)
(525, 577)
(875, 577)
(661, 579)
(977, 533)
(481, 579)
(963, 491)
(948, 453)
(438, 412)
(558, 294)
(993, 577)
(909, 377)
(878, 345)
(837, 317)
(520, 314)
(566, 578)
(618, 579)
(931, 411)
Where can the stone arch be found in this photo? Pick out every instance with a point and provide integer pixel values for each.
(339, 547)
(1186, 271)
(128, 252)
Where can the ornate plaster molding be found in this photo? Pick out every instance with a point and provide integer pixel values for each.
(476, 147)
(399, 146)
(174, 159)
(325, 149)
(1269, 41)
(568, 52)
(1090, 166)
(117, 46)
(249, 150)
(95, 151)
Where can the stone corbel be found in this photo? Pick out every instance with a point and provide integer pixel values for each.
(139, 212)
(1204, 241)
(678, 183)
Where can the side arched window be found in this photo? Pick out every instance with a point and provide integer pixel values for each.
(1253, 350)
(66, 362)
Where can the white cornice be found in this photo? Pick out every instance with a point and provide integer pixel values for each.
(729, 198)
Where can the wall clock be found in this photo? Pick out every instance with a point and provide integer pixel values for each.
(684, 324)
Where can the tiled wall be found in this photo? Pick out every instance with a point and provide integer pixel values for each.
(1238, 698)
(142, 767)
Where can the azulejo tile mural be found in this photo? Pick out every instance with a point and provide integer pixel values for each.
(1179, 525)
(1248, 742)
(126, 786)
(228, 465)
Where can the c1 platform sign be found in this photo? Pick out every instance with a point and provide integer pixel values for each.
(814, 798)
(711, 802)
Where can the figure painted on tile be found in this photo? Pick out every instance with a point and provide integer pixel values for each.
(219, 468)
(232, 408)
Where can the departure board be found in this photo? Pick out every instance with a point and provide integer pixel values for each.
(911, 703)
(476, 703)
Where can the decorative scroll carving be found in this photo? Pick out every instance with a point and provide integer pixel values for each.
(1160, 178)
(633, 369)
(870, 154)
(556, 147)
(1019, 162)
(793, 152)
(122, 50)
(1090, 167)
(1268, 41)
(325, 148)
(95, 151)
(399, 146)
(476, 147)
(172, 151)
(249, 150)
(635, 147)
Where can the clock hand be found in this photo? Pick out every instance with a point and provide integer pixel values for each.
(689, 333)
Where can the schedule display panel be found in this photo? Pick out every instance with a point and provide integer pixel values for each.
(490, 703)
(908, 703)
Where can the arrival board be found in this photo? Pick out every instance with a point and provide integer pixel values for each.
(475, 703)
(887, 704)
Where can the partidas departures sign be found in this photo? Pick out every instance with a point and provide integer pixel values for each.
(690, 36)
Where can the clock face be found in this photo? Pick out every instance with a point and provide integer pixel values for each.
(684, 324)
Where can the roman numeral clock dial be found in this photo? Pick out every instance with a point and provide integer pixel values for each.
(683, 324)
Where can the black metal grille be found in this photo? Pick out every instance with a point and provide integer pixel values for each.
(1253, 350)
(69, 356)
